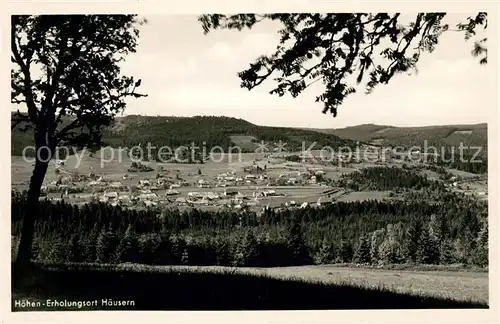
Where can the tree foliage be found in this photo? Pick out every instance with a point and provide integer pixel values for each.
(66, 72)
(336, 48)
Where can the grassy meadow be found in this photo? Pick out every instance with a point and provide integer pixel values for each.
(217, 288)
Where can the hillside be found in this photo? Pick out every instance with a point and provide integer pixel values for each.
(210, 131)
(203, 131)
(445, 135)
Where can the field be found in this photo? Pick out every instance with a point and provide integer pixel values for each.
(457, 285)
(275, 288)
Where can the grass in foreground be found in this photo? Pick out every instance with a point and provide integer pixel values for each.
(153, 288)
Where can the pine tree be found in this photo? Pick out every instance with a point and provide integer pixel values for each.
(249, 248)
(297, 245)
(469, 246)
(435, 228)
(363, 250)
(145, 248)
(178, 246)
(345, 252)
(411, 247)
(222, 251)
(399, 238)
(377, 238)
(185, 257)
(446, 252)
(127, 248)
(56, 251)
(428, 252)
(459, 252)
(91, 243)
(105, 246)
(238, 253)
(74, 249)
(35, 249)
(481, 250)
(326, 253)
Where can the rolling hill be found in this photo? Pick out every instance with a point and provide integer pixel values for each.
(446, 135)
(203, 131)
(226, 132)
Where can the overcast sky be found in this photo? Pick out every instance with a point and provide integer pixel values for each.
(187, 73)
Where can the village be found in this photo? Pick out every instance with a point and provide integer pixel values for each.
(288, 180)
(258, 185)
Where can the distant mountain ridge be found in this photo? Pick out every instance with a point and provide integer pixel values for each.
(210, 131)
(437, 135)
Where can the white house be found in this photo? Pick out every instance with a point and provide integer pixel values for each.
(149, 196)
(116, 185)
(111, 194)
(212, 196)
(270, 192)
(195, 194)
(171, 192)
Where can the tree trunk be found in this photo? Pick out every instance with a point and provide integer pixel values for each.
(23, 259)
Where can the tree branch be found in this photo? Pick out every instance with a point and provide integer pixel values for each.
(25, 69)
(74, 124)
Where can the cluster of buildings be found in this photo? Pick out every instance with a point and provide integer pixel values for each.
(166, 189)
(229, 179)
(290, 178)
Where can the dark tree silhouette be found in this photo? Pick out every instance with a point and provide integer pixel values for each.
(331, 47)
(66, 72)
